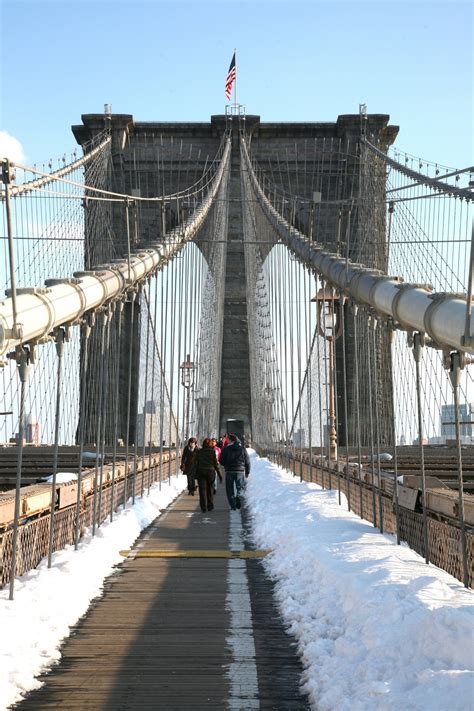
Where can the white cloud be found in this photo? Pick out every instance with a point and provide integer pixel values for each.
(11, 148)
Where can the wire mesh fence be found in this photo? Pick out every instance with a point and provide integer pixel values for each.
(33, 536)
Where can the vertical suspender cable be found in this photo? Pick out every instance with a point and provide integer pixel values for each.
(129, 396)
(118, 347)
(335, 413)
(357, 409)
(105, 407)
(417, 346)
(22, 359)
(290, 316)
(172, 357)
(147, 352)
(153, 363)
(86, 330)
(299, 326)
(320, 396)
(324, 286)
(284, 264)
(455, 375)
(344, 384)
(395, 456)
(162, 372)
(377, 418)
(309, 396)
(102, 318)
(179, 306)
(60, 352)
(371, 416)
(135, 443)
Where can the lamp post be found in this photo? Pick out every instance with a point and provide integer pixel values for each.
(326, 298)
(187, 381)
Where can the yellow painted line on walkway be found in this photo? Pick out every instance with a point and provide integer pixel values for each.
(143, 553)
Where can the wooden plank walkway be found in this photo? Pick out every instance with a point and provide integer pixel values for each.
(165, 634)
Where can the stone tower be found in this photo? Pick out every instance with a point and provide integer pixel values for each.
(183, 150)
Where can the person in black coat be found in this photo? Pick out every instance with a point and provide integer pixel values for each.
(187, 463)
(206, 468)
(236, 462)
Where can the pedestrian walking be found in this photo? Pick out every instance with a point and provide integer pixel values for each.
(217, 448)
(206, 468)
(218, 455)
(236, 463)
(187, 463)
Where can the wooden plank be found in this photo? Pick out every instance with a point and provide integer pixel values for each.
(158, 636)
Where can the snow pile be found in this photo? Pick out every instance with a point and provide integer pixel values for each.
(48, 602)
(61, 478)
(376, 627)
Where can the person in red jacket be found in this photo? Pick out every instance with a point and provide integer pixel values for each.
(217, 448)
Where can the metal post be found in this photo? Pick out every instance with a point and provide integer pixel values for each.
(22, 357)
(60, 352)
(455, 377)
(418, 343)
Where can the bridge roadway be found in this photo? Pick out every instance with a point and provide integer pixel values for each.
(180, 632)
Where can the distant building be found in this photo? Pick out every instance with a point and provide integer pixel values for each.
(32, 430)
(424, 441)
(448, 427)
(299, 438)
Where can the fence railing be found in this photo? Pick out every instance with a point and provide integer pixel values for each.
(33, 536)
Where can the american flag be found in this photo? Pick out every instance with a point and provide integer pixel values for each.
(229, 82)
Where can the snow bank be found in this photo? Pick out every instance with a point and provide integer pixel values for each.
(61, 478)
(48, 602)
(376, 627)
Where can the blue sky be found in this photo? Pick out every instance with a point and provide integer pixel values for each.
(296, 61)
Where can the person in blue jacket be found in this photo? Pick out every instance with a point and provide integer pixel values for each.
(236, 462)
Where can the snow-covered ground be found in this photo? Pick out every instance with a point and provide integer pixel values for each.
(376, 627)
(48, 602)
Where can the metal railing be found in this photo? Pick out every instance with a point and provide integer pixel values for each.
(33, 535)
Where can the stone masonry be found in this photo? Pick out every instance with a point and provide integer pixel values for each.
(152, 158)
